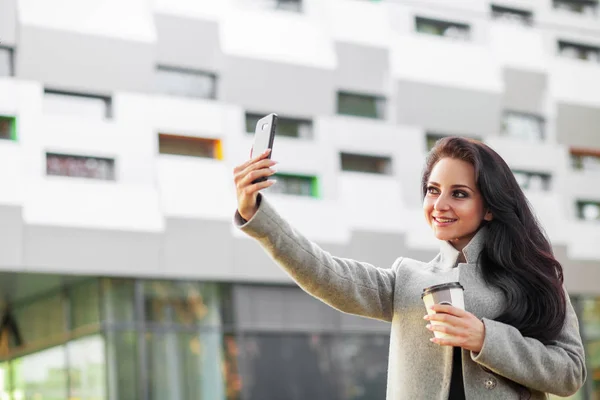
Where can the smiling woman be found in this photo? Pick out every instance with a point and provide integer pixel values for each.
(517, 336)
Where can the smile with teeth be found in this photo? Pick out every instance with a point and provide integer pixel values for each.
(444, 220)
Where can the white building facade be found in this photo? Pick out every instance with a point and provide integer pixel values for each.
(121, 123)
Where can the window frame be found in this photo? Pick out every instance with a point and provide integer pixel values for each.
(113, 176)
(545, 176)
(314, 184)
(214, 143)
(561, 44)
(581, 203)
(445, 24)
(107, 100)
(526, 15)
(190, 71)
(380, 104)
(13, 127)
(582, 152)
(594, 3)
(542, 121)
(11, 59)
(386, 160)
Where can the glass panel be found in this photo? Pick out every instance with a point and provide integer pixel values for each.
(292, 367)
(42, 319)
(85, 304)
(185, 366)
(80, 166)
(591, 318)
(4, 381)
(123, 362)
(442, 28)
(368, 164)
(183, 303)
(362, 362)
(187, 146)
(5, 62)
(293, 185)
(289, 5)
(88, 106)
(41, 375)
(118, 298)
(512, 15)
(593, 357)
(588, 211)
(251, 121)
(186, 83)
(360, 105)
(87, 368)
(293, 128)
(523, 126)
(579, 52)
(580, 7)
(6, 127)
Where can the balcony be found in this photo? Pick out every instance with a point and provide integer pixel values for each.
(188, 34)
(263, 48)
(439, 81)
(575, 87)
(112, 45)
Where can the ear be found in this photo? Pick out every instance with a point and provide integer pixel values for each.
(488, 216)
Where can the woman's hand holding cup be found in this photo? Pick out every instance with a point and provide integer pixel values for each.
(461, 328)
(243, 176)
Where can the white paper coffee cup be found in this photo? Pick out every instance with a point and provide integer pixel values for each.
(447, 293)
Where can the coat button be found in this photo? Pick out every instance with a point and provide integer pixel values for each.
(490, 383)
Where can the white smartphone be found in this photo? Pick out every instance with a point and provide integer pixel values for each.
(264, 135)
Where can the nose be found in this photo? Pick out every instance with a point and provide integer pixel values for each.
(441, 204)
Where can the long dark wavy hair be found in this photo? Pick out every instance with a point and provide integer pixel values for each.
(517, 256)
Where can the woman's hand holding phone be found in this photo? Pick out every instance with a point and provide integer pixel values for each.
(244, 175)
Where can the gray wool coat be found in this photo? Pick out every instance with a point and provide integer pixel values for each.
(509, 366)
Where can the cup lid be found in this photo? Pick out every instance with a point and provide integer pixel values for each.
(443, 286)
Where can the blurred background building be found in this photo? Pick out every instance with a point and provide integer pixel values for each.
(122, 276)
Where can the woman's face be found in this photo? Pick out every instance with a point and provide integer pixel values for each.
(453, 205)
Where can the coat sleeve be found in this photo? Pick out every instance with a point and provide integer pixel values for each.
(557, 367)
(350, 286)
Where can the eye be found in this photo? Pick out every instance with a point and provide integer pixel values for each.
(432, 190)
(459, 194)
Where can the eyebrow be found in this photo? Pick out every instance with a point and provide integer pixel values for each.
(453, 186)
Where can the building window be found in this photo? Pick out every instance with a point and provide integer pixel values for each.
(190, 146)
(6, 61)
(534, 181)
(578, 51)
(363, 163)
(512, 15)
(361, 105)
(185, 82)
(588, 210)
(288, 127)
(284, 5)
(585, 7)
(297, 185)
(8, 128)
(523, 126)
(452, 30)
(80, 104)
(80, 166)
(585, 159)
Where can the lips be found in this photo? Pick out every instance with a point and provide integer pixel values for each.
(444, 221)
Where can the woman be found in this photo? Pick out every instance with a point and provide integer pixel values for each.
(518, 337)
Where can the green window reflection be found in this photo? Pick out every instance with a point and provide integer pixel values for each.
(122, 365)
(118, 300)
(42, 319)
(85, 304)
(87, 368)
(41, 376)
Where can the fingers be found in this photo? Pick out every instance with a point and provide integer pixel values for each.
(251, 161)
(447, 318)
(448, 309)
(447, 329)
(241, 175)
(255, 187)
(253, 175)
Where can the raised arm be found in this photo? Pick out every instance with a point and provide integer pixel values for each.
(350, 286)
(557, 367)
